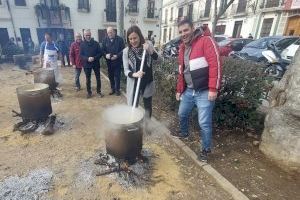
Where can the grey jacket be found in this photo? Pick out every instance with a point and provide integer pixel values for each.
(149, 90)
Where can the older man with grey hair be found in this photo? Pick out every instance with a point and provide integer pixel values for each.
(113, 46)
(91, 53)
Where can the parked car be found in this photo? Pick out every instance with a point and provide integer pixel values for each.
(288, 53)
(219, 38)
(232, 44)
(253, 50)
(171, 48)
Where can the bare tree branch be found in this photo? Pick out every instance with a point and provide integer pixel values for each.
(224, 7)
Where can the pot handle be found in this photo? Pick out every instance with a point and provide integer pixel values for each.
(132, 129)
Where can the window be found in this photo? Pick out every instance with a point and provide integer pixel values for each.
(284, 43)
(166, 16)
(180, 12)
(266, 27)
(262, 42)
(207, 8)
(171, 17)
(0, 2)
(51, 3)
(165, 35)
(237, 29)
(220, 29)
(241, 6)
(83, 4)
(54, 3)
(20, 2)
(150, 33)
(111, 15)
(170, 33)
(133, 6)
(272, 3)
(150, 9)
(190, 12)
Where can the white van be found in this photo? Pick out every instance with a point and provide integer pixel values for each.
(288, 53)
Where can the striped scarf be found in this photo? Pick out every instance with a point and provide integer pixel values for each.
(137, 53)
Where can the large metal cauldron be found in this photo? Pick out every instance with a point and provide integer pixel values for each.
(47, 76)
(124, 133)
(34, 101)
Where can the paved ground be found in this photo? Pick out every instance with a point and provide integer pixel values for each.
(69, 152)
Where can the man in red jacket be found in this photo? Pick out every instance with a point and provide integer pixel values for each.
(76, 59)
(198, 81)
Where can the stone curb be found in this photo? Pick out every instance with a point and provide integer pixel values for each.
(221, 180)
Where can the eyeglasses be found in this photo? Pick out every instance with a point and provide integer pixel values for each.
(87, 35)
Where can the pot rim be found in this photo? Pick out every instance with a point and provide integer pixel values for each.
(113, 121)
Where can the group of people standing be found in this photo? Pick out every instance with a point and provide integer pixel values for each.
(198, 80)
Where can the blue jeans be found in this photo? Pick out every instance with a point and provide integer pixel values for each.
(77, 75)
(189, 99)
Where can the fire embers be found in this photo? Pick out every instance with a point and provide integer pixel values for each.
(45, 126)
(128, 174)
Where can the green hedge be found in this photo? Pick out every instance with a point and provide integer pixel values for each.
(243, 87)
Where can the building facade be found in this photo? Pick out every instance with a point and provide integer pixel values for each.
(169, 20)
(23, 19)
(259, 17)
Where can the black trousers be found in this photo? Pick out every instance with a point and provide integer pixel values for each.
(88, 73)
(147, 106)
(63, 59)
(114, 74)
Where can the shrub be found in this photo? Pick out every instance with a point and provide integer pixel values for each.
(243, 87)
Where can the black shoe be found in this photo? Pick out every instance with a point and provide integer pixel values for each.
(180, 135)
(100, 94)
(78, 89)
(118, 93)
(203, 155)
(112, 92)
(89, 95)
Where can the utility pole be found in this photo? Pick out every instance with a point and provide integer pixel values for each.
(120, 18)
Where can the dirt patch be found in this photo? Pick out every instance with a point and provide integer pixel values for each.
(69, 152)
(237, 157)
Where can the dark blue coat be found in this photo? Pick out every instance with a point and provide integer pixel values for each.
(114, 47)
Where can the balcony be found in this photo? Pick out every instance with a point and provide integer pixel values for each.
(109, 20)
(53, 16)
(132, 10)
(151, 15)
(238, 11)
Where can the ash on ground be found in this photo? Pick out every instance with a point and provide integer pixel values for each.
(47, 127)
(33, 186)
(138, 174)
(85, 177)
